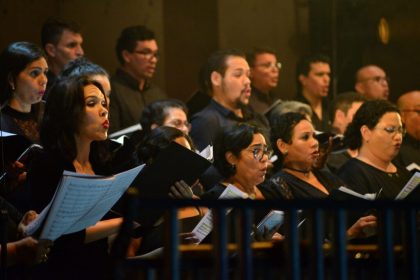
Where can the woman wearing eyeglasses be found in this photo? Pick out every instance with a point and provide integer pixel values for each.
(242, 160)
(377, 132)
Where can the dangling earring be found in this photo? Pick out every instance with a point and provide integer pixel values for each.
(233, 168)
(13, 87)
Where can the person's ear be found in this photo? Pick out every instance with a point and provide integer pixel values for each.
(50, 49)
(11, 82)
(302, 79)
(366, 133)
(282, 146)
(126, 55)
(358, 87)
(216, 78)
(231, 158)
(339, 116)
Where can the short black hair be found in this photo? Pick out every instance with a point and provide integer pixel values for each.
(157, 111)
(82, 66)
(129, 37)
(368, 114)
(53, 28)
(157, 140)
(344, 101)
(234, 139)
(13, 60)
(304, 66)
(216, 62)
(252, 54)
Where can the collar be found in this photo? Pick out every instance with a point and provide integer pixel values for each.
(125, 78)
(228, 113)
(264, 97)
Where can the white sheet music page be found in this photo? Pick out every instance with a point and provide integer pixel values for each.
(81, 201)
(410, 186)
(205, 226)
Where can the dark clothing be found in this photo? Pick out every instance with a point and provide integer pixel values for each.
(70, 257)
(325, 123)
(208, 124)
(25, 124)
(409, 152)
(52, 78)
(261, 102)
(127, 101)
(289, 186)
(337, 159)
(364, 178)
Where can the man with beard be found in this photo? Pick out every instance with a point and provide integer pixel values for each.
(226, 79)
(313, 81)
(138, 54)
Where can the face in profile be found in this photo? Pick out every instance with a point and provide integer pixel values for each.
(68, 48)
(317, 82)
(265, 73)
(31, 82)
(251, 164)
(176, 117)
(303, 149)
(235, 84)
(383, 142)
(95, 124)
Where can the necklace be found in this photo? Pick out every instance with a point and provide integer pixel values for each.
(305, 172)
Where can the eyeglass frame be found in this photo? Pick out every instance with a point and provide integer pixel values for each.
(270, 65)
(393, 130)
(255, 150)
(378, 79)
(178, 123)
(147, 53)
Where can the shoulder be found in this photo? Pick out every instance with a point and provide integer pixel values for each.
(214, 192)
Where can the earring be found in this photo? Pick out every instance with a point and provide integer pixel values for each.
(233, 167)
(13, 87)
(285, 153)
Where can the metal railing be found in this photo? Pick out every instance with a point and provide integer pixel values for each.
(310, 254)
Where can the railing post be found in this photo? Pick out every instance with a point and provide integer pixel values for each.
(386, 244)
(171, 252)
(245, 250)
(220, 243)
(340, 245)
(317, 239)
(411, 245)
(3, 241)
(292, 245)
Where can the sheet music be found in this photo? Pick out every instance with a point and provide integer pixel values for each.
(126, 130)
(205, 226)
(82, 200)
(6, 134)
(368, 196)
(207, 153)
(410, 186)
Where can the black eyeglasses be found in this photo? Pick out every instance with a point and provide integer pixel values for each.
(270, 65)
(260, 151)
(147, 53)
(179, 124)
(393, 130)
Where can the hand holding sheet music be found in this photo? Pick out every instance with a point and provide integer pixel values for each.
(81, 201)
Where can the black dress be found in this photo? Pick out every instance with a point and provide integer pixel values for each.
(70, 257)
(364, 178)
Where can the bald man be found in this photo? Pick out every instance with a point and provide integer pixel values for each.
(372, 82)
(409, 105)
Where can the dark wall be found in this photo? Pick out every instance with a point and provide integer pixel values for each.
(347, 30)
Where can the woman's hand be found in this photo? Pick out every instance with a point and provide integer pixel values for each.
(181, 190)
(364, 227)
(26, 220)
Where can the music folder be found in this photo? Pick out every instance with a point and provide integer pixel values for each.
(172, 164)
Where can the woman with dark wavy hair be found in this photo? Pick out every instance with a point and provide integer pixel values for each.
(377, 132)
(73, 134)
